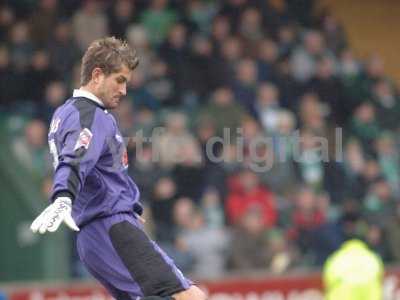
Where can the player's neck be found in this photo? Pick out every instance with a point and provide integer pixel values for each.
(94, 97)
(88, 88)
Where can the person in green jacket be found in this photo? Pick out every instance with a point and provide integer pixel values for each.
(353, 273)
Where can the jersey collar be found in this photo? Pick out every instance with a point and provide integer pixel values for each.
(86, 94)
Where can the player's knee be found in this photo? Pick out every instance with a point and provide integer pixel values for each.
(198, 294)
(193, 293)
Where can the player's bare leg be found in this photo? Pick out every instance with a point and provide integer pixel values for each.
(193, 293)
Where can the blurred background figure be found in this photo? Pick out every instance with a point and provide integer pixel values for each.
(353, 272)
(31, 149)
(89, 23)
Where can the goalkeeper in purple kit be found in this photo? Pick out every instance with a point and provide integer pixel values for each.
(92, 192)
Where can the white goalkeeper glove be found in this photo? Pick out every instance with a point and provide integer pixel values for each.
(51, 218)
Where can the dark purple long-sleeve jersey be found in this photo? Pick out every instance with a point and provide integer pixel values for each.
(90, 161)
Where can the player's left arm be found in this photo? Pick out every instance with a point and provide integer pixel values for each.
(82, 148)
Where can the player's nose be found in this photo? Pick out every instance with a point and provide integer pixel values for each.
(122, 90)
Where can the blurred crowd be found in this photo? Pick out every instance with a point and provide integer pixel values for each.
(257, 138)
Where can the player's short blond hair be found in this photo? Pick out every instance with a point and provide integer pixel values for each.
(109, 54)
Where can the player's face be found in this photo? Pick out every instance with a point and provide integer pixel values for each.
(112, 87)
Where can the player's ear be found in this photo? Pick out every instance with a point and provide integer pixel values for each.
(97, 74)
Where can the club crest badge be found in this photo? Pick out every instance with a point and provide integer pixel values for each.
(84, 139)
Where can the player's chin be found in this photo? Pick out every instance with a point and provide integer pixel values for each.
(113, 103)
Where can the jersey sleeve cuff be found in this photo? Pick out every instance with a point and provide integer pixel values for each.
(62, 194)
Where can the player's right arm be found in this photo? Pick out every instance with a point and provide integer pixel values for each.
(78, 144)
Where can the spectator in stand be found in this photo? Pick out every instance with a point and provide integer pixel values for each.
(188, 172)
(158, 20)
(212, 154)
(267, 56)
(389, 160)
(162, 202)
(286, 36)
(137, 36)
(21, 47)
(231, 49)
(63, 51)
(249, 236)
(201, 14)
(205, 130)
(55, 94)
(229, 54)
(145, 172)
(312, 114)
(310, 160)
(7, 19)
(387, 105)
(354, 164)
(168, 142)
(334, 33)
(174, 51)
(374, 71)
(302, 11)
(247, 193)
(392, 233)
(316, 160)
(267, 106)
(282, 254)
(40, 73)
(379, 202)
(313, 234)
(349, 71)
(212, 208)
(377, 242)
(289, 88)
(245, 85)
(203, 68)
(268, 247)
(364, 126)
(306, 216)
(250, 30)
(140, 94)
(89, 23)
(351, 221)
(274, 15)
(31, 149)
(145, 119)
(232, 9)
(220, 30)
(281, 178)
(208, 246)
(8, 91)
(223, 112)
(43, 20)
(329, 90)
(159, 85)
(125, 115)
(303, 60)
(76, 73)
(120, 16)
(183, 212)
(370, 173)
(251, 140)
